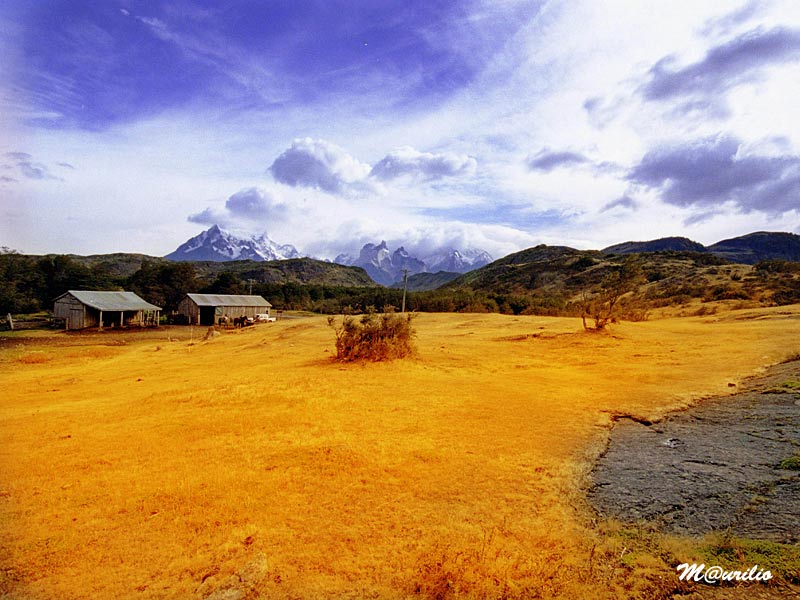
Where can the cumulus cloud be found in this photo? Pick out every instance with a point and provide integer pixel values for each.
(546, 160)
(208, 216)
(724, 66)
(712, 171)
(248, 204)
(406, 161)
(319, 164)
(256, 203)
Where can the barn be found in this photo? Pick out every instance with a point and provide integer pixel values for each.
(80, 309)
(207, 309)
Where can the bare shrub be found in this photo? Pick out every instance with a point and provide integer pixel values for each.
(373, 337)
(601, 304)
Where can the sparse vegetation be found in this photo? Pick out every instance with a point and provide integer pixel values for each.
(723, 549)
(791, 463)
(372, 336)
(601, 306)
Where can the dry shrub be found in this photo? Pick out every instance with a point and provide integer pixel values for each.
(373, 336)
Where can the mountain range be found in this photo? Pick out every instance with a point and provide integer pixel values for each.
(386, 267)
(218, 245)
(382, 265)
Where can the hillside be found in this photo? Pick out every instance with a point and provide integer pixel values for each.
(118, 264)
(421, 282)
(553, 278)
(294, 270)
(677, 244)
(746, 249)
(755, 247)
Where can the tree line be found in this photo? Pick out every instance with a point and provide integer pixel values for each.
(30, 284)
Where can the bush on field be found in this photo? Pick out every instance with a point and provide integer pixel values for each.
(373, 336)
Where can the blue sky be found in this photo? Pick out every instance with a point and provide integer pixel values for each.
(133, 125)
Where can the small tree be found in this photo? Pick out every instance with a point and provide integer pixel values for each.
(601, 305)
(373, 336)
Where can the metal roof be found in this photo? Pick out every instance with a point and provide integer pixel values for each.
(111, 300)
(228, 300)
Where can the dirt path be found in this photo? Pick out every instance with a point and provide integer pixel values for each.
(712, 467)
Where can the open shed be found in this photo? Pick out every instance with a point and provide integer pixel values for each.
(208, 309)
(81, 309)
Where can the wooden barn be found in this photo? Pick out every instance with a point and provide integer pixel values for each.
(208, 309)
(81, 309)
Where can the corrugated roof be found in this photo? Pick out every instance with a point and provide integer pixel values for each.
(228, 300)
(112, 300)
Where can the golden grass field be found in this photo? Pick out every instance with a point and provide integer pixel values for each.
(132, 466)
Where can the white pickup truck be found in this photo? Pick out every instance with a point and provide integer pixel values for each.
(264, 318)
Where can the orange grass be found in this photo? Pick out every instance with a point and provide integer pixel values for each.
(159, 469)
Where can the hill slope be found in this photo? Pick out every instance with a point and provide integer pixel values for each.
(677, 244)
(293, 270)
(422, 282)
(548, 278)
(755, 247)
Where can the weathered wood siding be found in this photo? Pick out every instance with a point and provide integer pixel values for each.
(188, 308)
(74, 312)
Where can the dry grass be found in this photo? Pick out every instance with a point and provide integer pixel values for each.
(160, 469)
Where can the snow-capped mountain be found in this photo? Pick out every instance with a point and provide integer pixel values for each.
(380, 263)
(218, 245)
(456, 261)
(386, 267)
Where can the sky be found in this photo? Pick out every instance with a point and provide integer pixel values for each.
(132, 125)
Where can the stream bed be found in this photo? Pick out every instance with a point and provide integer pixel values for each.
(715, 466)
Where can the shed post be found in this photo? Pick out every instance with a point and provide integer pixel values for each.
(100, 323)
(121, 318)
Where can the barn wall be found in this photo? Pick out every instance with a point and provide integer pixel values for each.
(188, 308)
(241, 311)
(72, 310)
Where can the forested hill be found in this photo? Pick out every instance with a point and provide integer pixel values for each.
(30, 283)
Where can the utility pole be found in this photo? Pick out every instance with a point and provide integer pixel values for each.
(250, 281)
(405, 284)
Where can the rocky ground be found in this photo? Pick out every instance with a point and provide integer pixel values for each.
(716, 466)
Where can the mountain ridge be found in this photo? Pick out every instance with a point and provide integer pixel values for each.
(215, 244)
(386, 267)
(747, 249)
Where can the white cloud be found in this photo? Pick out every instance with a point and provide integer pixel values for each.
(531, 95)
(319, 164)
(408, 162)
